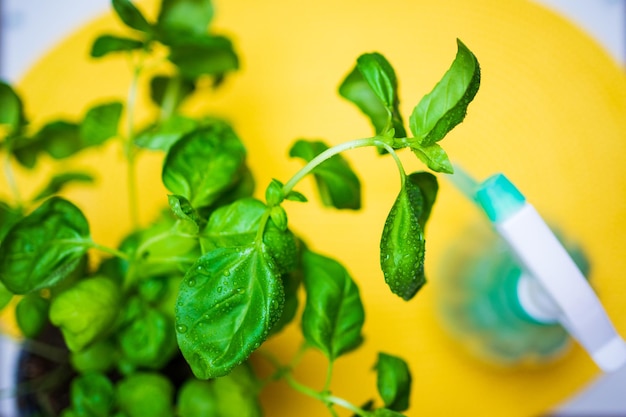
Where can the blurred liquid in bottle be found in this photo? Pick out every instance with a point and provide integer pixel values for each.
(478, 303)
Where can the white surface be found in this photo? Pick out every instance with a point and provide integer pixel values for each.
(9, 352)
(31, 27)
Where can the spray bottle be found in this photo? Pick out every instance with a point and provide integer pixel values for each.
(519, 294)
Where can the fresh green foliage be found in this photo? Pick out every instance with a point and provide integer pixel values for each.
(97, 357)
(445, 107)
(60, 181)
(333, 315)
(85, 311)
(234, 395)
(44, 247)
(402, 245)
(373, 87)
(10, 108)
(219, 270)
(5, 296)
(31, 314)
(107, 44)
(393, 381)
(204, 164)
(228, 302)
(92, 395)
(145, 394)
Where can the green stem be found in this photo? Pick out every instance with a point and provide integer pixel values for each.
(130, 149)
(323, 396)
(329, 376)
(106, 249)
(262, 223)
(337, 149)
(87, 243)
(327, 154)
(347, 405)
(169, 98)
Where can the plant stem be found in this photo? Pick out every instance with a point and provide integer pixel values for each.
(329, 376)
(169, 99)
(327, 154)
(87, 243)
(323, 396)
(106, 249)
(337, 149)
(131, 177)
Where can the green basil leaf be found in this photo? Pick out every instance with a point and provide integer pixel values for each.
(402, 244)
(31, 314)
(380, 76)
(158, 251)
(429, 187)
(148, 340)
(8, 217)
(60, 181)
(446, 105)
(393, 381)
(291, 284)
(333, 313)
(196, 55)
(385, 412)
(279, 217)
(296, 196)
(97, 357)
(372, 87)
(92, 395)
(434, 157)
(11, 112)
(163, 135)
(236, 224)
(170, 91)
(243, 187)
(233, 395)
(44, 247)
(204, 164)
(282, 246)
(131, 16)
(59, 138)
(153, 289)
(100, 123)
(5, 296)
(107, 44)
(26, 151)
(185, 16)
(337, 184)
(145, 394)
(228, 302)
(274, 193)
(183, 210)
(86, 311)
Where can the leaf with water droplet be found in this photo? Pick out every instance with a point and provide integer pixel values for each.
(227, 316)
(402, 245)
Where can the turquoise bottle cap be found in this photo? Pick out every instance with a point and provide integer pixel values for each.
(499, 198)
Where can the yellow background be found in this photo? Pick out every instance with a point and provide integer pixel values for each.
(551, 114)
